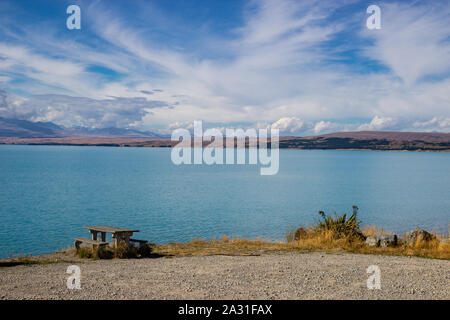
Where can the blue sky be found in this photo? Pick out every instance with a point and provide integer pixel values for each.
(304, 67)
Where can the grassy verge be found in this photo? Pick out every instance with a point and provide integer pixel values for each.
(317, 243)
(330, 234)
(65, 255)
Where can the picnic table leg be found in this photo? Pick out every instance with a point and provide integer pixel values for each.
(122, 237)
(94, 234)
(103, 234)
(126, 237)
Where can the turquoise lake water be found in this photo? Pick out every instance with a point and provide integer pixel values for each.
(47, 193)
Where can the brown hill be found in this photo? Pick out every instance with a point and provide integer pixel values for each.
(388, 135)
(364, 140)
(371, 140)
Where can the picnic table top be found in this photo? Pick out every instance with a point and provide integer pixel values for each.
(109, 229)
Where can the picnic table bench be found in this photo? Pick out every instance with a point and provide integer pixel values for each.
(120, 235)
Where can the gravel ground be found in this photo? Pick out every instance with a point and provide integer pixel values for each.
(272, 276)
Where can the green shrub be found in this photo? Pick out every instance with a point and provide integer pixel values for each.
(122, 251)
(340, 226)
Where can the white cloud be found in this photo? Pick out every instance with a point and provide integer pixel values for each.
(435, 124)
(71, 111)
(379, 123)
(55, 73)
(288, 125)
(328, 126)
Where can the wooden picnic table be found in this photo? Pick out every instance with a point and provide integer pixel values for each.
(118, 234)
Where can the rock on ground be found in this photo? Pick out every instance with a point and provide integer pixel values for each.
(420, 235)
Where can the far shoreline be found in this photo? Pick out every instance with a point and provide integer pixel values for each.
(285, 144)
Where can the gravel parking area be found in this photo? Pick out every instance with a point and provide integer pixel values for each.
(271, 276)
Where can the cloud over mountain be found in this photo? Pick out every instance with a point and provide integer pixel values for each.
(72, 111)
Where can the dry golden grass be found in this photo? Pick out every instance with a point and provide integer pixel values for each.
(226, 246)
(432, 249)
(372, 231)
(322, 242)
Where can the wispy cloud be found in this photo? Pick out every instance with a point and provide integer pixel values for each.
(304, 66)
(414, 40)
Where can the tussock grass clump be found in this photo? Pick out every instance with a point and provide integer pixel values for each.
(329, 229)
(340, 227)
(298, 234)
(122, 251)
(373, 231)
(87, 253)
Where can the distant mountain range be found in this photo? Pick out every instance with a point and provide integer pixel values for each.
(14, 131)
(14, 128)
